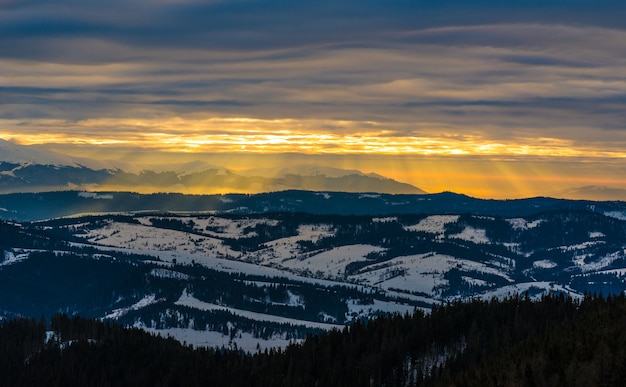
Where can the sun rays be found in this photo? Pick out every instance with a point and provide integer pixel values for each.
(434, 160)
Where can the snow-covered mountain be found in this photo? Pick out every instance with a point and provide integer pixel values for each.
(32, 169)
(11, 152)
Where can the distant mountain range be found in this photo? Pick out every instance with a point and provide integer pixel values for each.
(36, 169)
(28, 169)
(593, 192)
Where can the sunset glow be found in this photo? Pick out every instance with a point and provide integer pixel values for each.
(309, 136)
(492, 100)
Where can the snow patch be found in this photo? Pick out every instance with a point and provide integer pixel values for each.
(544, 264)
(434, 224)
(326, 195)
(184, 246)
(422, 273)
(389, 219)
(475, 281)
(523, 224)
(332, 263)
(369, 196)
(10, 258)
(210, 339)
(357, 310)
(581, 246)
(605, 261)
(165, 273)
(621, 215)
(147, 300)
(295, 300)
(192, 302)
(534, 289)
(95, 195)
(471, 234)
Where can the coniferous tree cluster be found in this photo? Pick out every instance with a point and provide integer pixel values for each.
(514, 342)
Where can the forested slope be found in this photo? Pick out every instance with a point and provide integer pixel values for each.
(515, 342)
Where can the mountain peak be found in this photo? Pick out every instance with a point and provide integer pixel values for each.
(23, 154)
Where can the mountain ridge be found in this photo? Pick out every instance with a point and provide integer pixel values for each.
(54, 204)
(31, 169)
(15, 153)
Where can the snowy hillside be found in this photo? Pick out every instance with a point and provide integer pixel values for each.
(415, 255)
(266, 279)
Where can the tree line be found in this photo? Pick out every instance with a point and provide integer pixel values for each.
(514, 342)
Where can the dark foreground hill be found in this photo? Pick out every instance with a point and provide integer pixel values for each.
(514, 342)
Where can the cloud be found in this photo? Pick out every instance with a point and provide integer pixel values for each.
(490, 71)
(267, 24)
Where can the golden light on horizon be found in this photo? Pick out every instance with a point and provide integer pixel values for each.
(434, 160)
(265, 136)
(500, 106)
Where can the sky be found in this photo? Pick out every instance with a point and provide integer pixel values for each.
(499, 99)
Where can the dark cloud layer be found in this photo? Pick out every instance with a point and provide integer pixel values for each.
(254, 25)
(494, 69)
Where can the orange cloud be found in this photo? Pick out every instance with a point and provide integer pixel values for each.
(233, 134)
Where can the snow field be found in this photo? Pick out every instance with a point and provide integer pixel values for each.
(472, 234)
(406, 276)
(192, 302)
(605, 261)
(210, 339)
(218, 227)
(357, 310)
(522, 224)
(10, 258)
(521, 288)
(152, 239)
(147, 300)
(332, 263)
(411, 274)
(280, 250)
(421, 273)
